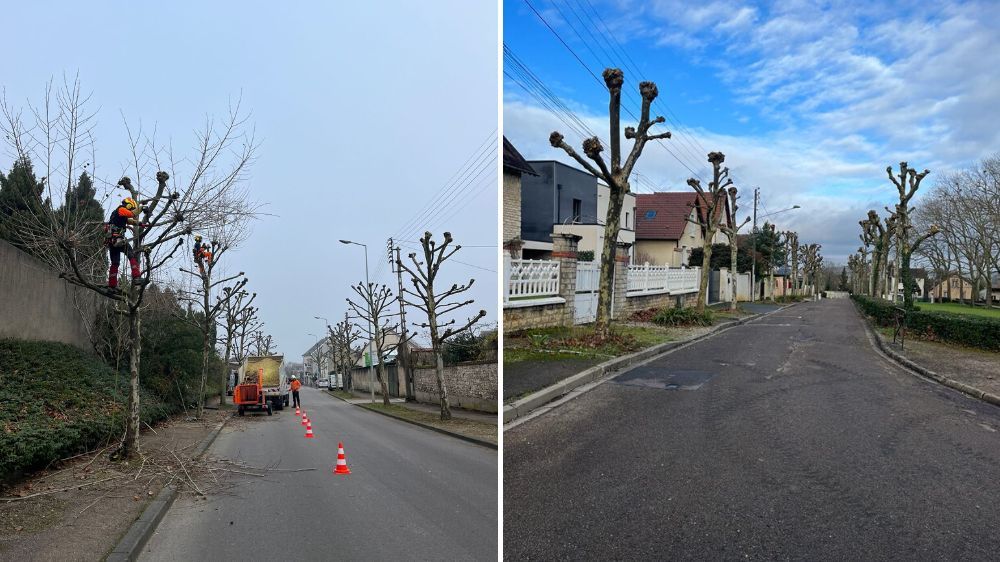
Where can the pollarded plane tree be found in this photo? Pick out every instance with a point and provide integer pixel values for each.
(792, 248)
(157, 217)
(731, 230)
(263, 344)
(812, 262)
(907, 183)
(372, 307)
(231, 320)
(342, 336)
(206, 258)
(712, 199)
(615, 174)
(438, 304)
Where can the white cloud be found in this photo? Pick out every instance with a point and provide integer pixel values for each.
(849, 87)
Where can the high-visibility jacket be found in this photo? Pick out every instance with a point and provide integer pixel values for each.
(296, 385)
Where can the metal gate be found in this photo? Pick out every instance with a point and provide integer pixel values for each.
(588, 277)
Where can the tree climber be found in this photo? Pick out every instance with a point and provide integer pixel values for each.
(202, 253)
(121, 218)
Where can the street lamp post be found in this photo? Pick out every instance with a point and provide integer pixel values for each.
(371, 327)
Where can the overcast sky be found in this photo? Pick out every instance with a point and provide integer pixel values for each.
(808, 100)
(366, 111)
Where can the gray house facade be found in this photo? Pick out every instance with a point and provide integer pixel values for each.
(558, 195)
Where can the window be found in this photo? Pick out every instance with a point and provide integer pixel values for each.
(577, 205)
(626, 221)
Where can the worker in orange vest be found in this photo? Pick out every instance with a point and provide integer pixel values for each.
(296, 385)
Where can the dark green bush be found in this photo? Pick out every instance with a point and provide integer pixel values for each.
(684, 317)
(973, 331)
(59, 401)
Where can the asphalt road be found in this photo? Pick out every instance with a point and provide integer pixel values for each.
(786, 438)
(413, 493)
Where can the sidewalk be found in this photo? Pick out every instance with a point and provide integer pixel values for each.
(534, 369)
(478, 427)
(975, 368)
(540, 376)
(79, 508)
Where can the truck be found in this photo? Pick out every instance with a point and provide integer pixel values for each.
(274, 381)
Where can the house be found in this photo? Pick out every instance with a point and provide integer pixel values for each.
(514, 166)
(952, 287)
(667, 227)
(919, 276)
(565, 200)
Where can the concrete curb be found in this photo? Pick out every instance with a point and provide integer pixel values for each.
(130, 546)
(909, 365)
(474, 440)
(536, 400)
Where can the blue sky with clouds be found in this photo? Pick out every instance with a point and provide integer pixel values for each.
(365, 112)
(808, 100)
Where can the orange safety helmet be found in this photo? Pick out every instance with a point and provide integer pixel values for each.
(130, 204)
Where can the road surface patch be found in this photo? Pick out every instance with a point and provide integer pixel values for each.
(664, 380)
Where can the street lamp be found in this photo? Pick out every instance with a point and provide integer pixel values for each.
(371, 328)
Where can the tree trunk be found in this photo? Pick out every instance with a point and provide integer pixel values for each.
(130, 442)
(225, 372)
(442, 386)
(706, 270)
(605, 295)
(732, 272)
(206, 348)
(380, 372)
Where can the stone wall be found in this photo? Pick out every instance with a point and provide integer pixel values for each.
(35, 304)
(544, 316)
(473, 386)
(643, 302)
(511, 206)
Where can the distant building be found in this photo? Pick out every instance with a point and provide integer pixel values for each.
(563, 199)
(668, 227)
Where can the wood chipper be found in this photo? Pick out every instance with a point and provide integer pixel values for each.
(249, 394)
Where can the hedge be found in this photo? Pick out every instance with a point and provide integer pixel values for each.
(59, 401)
(972, 331)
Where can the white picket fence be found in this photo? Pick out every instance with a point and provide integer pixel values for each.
(531, 279)
(656, 279)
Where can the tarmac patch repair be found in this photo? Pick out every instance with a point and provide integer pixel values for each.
(664, 380)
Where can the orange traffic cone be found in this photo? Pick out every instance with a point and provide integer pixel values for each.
(341, 467)
(309, 431)
(297, 412)
(305, 420)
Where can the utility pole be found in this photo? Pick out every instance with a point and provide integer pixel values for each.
(753, 252)
(403, 352)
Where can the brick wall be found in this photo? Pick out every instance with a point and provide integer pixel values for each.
(472, 386)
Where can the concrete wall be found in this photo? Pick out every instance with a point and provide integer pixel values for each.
(472, 386)
(35, 304)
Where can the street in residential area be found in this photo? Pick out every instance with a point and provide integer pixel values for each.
(788, 437)
(411, 490)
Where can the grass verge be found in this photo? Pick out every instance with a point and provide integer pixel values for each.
(469, 428)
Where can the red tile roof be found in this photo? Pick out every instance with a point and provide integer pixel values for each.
(663, 216)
